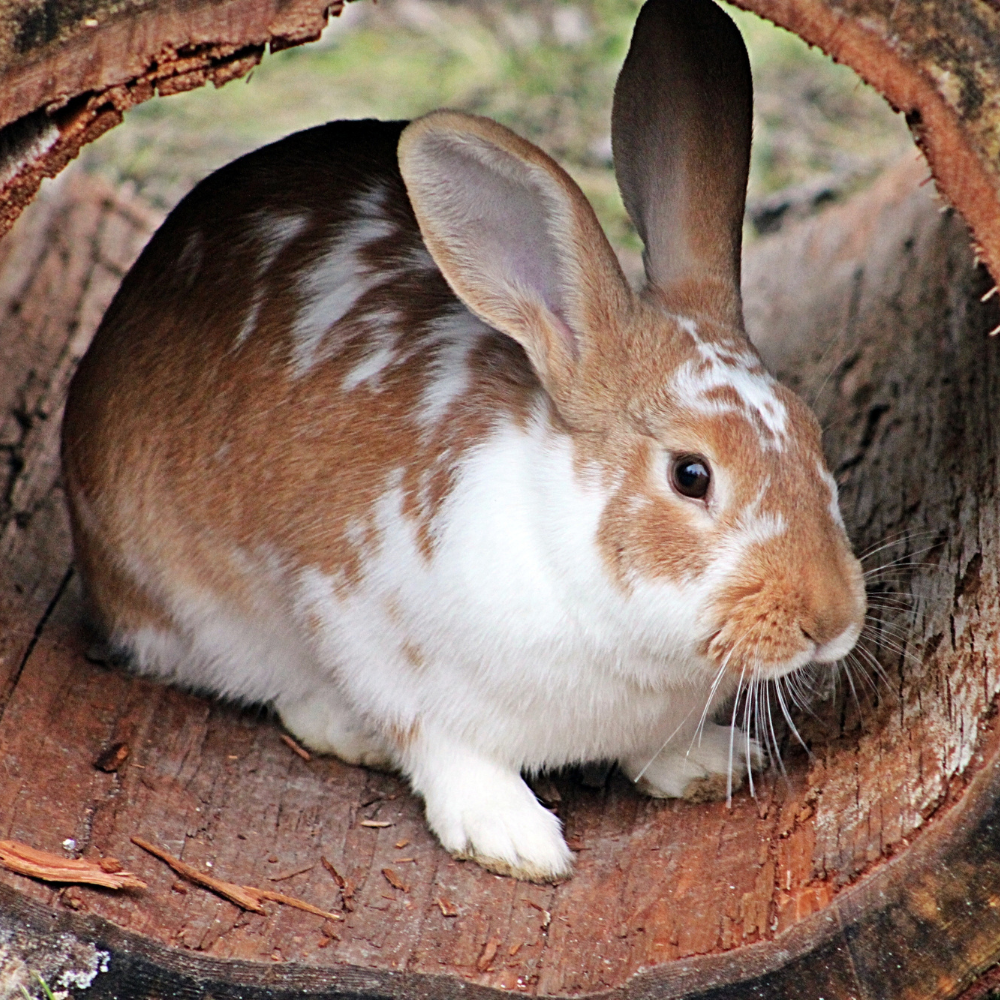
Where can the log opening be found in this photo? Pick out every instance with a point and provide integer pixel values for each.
(870, 872)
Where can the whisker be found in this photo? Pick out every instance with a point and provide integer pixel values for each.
(849, 674)
(732, 734)
(791, 724)
(774, 736)
(890, 643)
(899, 564)
(645, 768)
(699, 729)
(747, 719)
(887, 543)
(876, 667)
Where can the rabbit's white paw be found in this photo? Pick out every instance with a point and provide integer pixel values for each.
(323, 724)
(484, 812)
(698, 774)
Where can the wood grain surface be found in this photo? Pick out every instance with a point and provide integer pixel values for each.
(870, 871)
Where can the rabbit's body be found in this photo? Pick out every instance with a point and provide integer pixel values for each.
(329, 453)
(273, 582)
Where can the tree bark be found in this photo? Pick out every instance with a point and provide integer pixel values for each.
(69, 70)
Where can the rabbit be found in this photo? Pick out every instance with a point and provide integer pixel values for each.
(377, 433)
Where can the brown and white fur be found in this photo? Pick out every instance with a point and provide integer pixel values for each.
(377, 433)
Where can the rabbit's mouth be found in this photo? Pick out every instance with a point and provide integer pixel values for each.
(767, 639)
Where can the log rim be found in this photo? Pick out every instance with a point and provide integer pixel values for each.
(962, 174)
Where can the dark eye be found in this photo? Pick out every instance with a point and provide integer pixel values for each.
(690, 476)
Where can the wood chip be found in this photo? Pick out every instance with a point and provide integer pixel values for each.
(345, 885)
(514, 949)
(400, 844)
(112, 758)
(26, 860)
(447, 907)
(546, 915)
(247, 900)
(291, 874)
(489, 953)
(298, 904)
(394, 880)
(292, 745)
(375, 824)
(337, 877)
(246, 896)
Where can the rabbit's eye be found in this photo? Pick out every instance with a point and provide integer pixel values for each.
(690, 476)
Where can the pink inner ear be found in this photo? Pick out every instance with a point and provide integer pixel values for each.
(492, 210)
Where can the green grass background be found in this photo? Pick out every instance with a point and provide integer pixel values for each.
(545, 68)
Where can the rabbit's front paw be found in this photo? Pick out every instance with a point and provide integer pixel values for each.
(324, 724)
(699, 773)
(487, 814)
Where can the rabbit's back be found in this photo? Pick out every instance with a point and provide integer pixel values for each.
(283, 355)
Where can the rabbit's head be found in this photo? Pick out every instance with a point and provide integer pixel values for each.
(714, 473)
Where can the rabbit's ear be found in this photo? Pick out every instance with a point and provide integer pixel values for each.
(680, 132)
(515, 238)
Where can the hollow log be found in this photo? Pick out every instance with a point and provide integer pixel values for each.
(868, 870)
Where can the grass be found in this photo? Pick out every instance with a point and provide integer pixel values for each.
(47, 993)
(545, 69)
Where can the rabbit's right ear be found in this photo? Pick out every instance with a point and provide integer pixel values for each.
(517, 241)
(680, 133)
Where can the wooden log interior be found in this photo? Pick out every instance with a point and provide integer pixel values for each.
(792, 888)
(870, 871)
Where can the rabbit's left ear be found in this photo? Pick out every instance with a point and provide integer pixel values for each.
(680, 132)
(516, 240)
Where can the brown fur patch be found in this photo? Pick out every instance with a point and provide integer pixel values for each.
(402, 737)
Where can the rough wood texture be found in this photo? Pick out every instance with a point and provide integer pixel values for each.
(939, 62)
(69, 70)
(871, 872)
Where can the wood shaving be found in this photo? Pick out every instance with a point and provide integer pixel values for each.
(26, 860)
(546, 915)
(247, 897)
(375, 824)
(299, 904)
(447, 907)
(345, 885)
(394, 880)
(400, 844)
(293, 746)
(248, 900)
(489, 953)
(291, 874)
